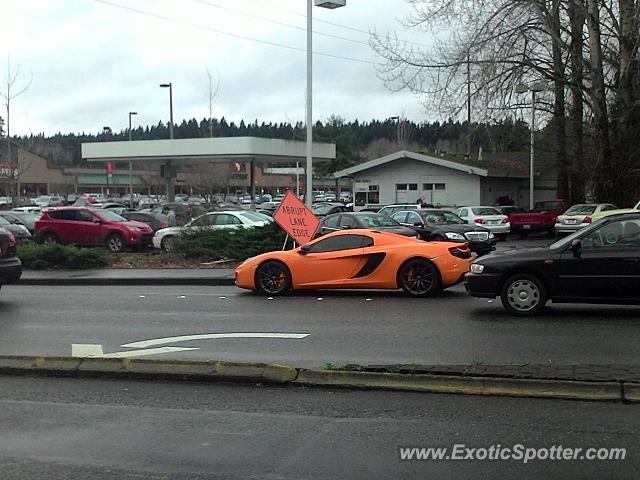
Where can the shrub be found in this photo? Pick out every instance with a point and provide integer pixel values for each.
(41, 257)
(237, 244)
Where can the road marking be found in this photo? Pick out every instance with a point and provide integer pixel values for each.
(207, 336)
(88, 350)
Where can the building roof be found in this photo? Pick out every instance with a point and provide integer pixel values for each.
(211, 150)
(471, 170)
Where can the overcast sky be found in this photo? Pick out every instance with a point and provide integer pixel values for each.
(92, 62)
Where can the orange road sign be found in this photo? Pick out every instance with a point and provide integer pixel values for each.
(296, 219)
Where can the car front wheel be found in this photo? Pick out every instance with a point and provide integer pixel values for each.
(524, 294)
(115, 243)
(273, 278)
(168, 244)
(50, 239)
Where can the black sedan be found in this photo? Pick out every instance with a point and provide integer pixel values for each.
(370, 220)
(10, 266)
(156, 221)
(328, 208)
(597, 264)
(444, 226)
(19, 231)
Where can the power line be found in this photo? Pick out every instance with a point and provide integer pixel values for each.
(265, 19)
(347, 27)
(222, 32)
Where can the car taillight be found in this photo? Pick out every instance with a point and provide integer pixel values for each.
(480, 220)
(460, 252)
(164, 225)
(505, 220)
(586, 220)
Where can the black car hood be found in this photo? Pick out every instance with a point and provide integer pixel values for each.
(456, 228)
(520, 254)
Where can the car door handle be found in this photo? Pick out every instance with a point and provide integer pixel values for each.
(631, 260)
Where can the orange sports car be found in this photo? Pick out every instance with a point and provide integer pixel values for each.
(358, 259)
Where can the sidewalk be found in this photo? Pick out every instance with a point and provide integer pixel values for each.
(133, 276)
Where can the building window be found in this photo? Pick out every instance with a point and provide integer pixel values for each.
(433, 186)
(413, 186)
(370, 197)
(401, 186)
(406, 186)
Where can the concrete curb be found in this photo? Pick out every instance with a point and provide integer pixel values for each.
(273, 374)
(155, 281)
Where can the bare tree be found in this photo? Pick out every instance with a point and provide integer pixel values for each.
(10, 91)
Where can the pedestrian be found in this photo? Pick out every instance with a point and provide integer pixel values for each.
(171, 216)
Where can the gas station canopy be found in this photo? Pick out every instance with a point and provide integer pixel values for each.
(207, 150)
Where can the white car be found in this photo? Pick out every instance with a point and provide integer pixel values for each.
(579, 216)
(486, 217)
(606, 213)
(228, 219)
(30, 209)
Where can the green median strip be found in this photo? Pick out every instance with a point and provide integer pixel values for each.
(185, 370)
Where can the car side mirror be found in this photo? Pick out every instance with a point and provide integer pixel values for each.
(304, 249)
(345, 227)
(418, 224)
(97, 221)
(576, 247)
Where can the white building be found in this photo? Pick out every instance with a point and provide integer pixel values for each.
(404, 176)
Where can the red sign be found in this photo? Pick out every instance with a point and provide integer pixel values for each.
(296, 219)
(109, 168)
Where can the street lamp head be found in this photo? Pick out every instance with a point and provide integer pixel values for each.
(330, 3)
(133, 113)
(165, 85)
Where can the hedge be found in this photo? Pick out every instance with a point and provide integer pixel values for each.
(41, 257)
(230, 244)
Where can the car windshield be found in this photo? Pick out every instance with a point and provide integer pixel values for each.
(566, 241)
(379, 220)
(485, 211)
(254, 216)
(442, 217)
(581, 210)
(110, 216)
(322, 208)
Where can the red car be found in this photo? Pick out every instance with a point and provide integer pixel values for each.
(91, 226)
(541, 218)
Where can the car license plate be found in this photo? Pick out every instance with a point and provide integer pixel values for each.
(494, 222)
(571, 221)
(526, 227)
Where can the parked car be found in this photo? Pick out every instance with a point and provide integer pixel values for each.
(22, 218)
(91, 226)
(358, 259)
(183, 212)
(541, 218)
(487, 217)
(597, 264)
(10, 265)
(327, 208)
(156, 221)
(44, 201)
(370, 220)
(27, 209)
(19, 231)
(391, 209)
(444, 226)
(227, 219)
(579, 216)
(606, 213)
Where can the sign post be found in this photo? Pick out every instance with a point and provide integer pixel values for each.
(296, 219)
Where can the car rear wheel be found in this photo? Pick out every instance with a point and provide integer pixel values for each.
(523, 294)
(168, 244)
(273, 278)
(115, 243)
(50, 239)
(419, 278)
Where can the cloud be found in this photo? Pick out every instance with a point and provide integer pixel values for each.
(92, 63)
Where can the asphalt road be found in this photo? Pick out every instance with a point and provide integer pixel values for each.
(343, 327)
(56, 428)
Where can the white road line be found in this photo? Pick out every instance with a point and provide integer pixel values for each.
(86, 350)
(206, 336)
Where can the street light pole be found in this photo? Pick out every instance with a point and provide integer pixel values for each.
(168, 170)
(131, 166)
(331, 4)
(521, 88)
(308, 199)
(105, 131)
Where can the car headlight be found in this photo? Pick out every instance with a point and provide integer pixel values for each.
(133, 229)
(477, 268)
(455, 236)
